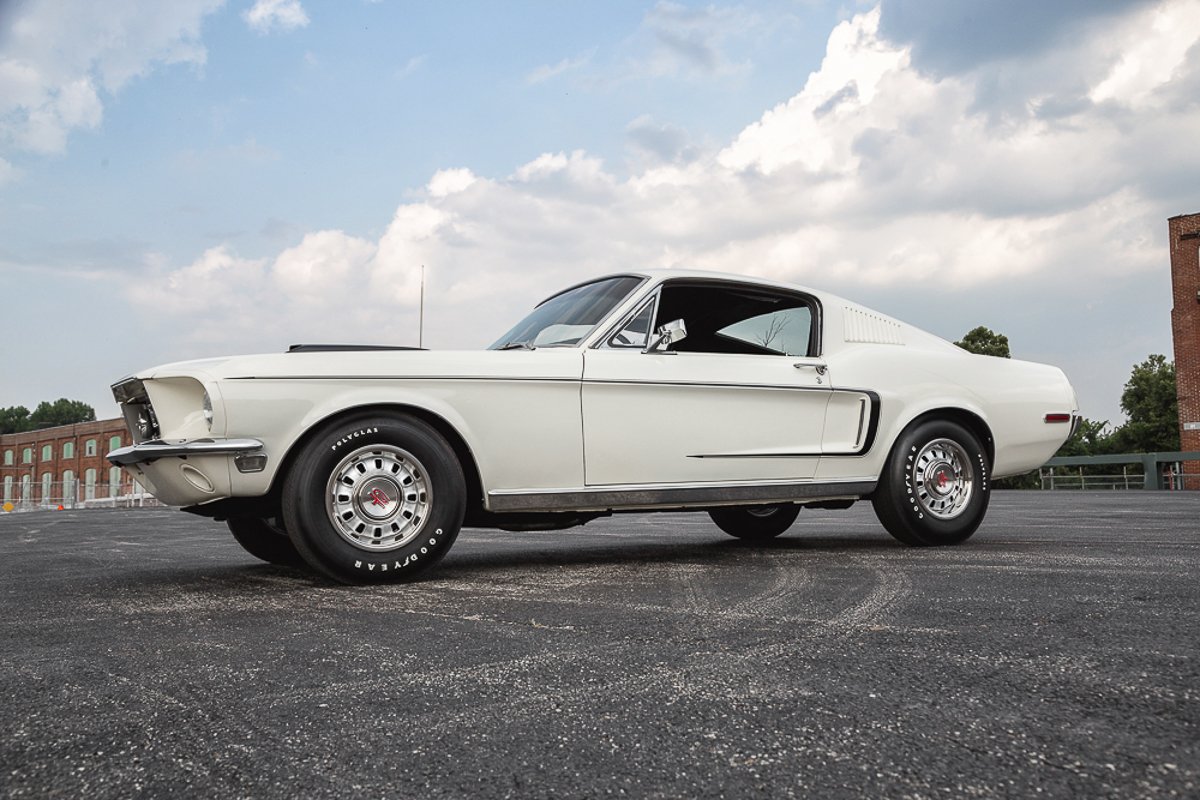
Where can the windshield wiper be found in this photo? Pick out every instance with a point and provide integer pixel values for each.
(518, 346)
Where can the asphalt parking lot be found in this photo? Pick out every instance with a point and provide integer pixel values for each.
(1055, 654)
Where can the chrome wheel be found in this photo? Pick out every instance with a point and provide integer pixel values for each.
(941, 479)
(378, 497)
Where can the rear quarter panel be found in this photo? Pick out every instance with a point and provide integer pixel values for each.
(915, 373)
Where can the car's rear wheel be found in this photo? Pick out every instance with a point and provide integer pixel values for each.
(755, 523)
(265, 539)
(374, 499)
(934, 489)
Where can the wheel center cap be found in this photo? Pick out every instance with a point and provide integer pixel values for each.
(379, 498)
(940, 479)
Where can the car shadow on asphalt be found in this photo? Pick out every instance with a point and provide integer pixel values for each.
(719, 551)
(478, 558)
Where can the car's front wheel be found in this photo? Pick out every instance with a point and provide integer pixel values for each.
(265, 539)
(934, 489)
(755, 523)
(374, 499)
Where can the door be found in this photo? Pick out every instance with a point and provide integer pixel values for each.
(740, 399)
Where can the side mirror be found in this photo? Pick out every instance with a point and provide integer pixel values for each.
(670, 333)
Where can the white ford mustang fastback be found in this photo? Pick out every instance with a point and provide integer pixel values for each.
(654, 390)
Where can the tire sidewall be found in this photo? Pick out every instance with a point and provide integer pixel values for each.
(306, 515)
(925, 527)
(741, 522)
(264, 541)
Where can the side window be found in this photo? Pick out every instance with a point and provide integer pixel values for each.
(786, 331)
(635, 334)
(738, 319)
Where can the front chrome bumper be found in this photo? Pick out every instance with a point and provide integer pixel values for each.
(157, 448)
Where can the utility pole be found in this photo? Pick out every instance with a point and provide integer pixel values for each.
(421, 318)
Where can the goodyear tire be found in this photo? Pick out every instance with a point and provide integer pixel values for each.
(374, 499)
(755, 523)
(935, 487)
(265, 539)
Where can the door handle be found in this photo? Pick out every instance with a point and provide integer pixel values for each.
(820, 368)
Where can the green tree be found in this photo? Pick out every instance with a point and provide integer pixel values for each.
(1091, 438)
(1150, 402)
(61, 412)
(985, 342)
(14, 419)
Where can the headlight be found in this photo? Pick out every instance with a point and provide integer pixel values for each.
(145, 426)
(208, 412)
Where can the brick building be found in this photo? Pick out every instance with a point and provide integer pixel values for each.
(1184, 238)
(64, 465)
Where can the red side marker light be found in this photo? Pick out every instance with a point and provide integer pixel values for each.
(1058, 418)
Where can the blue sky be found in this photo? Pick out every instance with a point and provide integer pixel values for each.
(202, 177)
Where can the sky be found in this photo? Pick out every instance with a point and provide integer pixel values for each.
(202, 177)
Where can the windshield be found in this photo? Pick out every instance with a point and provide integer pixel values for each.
(563, 320)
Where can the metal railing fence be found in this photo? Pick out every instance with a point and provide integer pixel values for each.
(1056, 479)
(1157, 471)
(63, 495)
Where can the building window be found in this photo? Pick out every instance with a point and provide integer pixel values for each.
(68, 449)
(114, 481)
(68, 488)
(89, 447)
(47, 452)
(8, 483)
(27, 455)
(89, 485)
(114, 443)
(47, 486)
(8, 458)
(26, 484)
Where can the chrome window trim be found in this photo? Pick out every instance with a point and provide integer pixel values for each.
(605, 341)
(816, 335)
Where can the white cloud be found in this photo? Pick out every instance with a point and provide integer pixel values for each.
(59, 57)
(873, 178)
(1154, 49)
(546, 72)
(266, 16)
(325, 267)
(685, 41)
(449, 181)
(838, 99)
(658, 140)
(410, 67)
